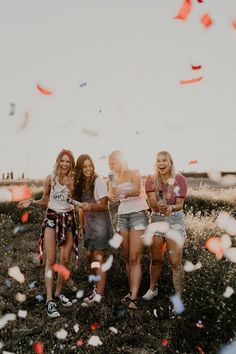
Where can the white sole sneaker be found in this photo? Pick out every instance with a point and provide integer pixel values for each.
(150, 294)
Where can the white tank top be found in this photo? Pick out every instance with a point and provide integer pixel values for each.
(58, 197)
(131, 204)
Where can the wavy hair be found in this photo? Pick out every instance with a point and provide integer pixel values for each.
(157, 177)
(119, 156)
(56, 168)
(84, 185)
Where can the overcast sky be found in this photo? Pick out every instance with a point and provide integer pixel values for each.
(132, 54)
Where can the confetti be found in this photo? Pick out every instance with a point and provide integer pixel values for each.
(79, 294)
(32, 285)
(89, 132)
(25, 121)
(40, 298)
(5, 195)
(228, 348)
(38, 347)
(76, 328)
(213, 244)
(153, 228)
(93, 277)
(191, 81)
(6, 318)
(190, 267)
(19, 229)
(1, 345)
(113, 329)
(79, 343)
(184, 11)
(225, 241)
(25, 217)
(22, 314)
(116, 240)
(177, 304)
(228, 180)
(94, 341)
(175, 236)
(94, 326)
(20, 192)
(206, 20)
(95, 265)
(226, 222)
(12, 109)
(20, 297)
(49, 274)
(107, 265)
(164, 342)
(61, 270)
(196, 67)
(215, 176)
(61, 334)
(44, 91)
(15, 273)
(155, 313)
(228, 292)
(83, 84)
(230, 253)
(234, 24)
(7, 283)
(193, 162)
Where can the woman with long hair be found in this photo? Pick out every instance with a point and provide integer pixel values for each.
(58, 227)
(126, 185)
(95, 222)
(166, 191)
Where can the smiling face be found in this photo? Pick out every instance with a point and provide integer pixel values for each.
(65, 164)
(88, 169)
(114, 164)
(163, 164)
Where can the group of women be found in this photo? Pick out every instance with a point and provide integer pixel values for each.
(164, 195)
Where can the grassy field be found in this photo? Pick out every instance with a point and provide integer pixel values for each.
(207, 323)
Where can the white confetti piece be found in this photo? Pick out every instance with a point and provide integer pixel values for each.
(8, 317)
(93, 277)
(215, 176)
(107, 265)
(228, 348)
(80, 293)
(5, 195)
(228, 291)
(94, 341)
(155, 313)
(49, 274)
(176, 190)
(61, 334)
(175, 236)
(76, 328)
(116, 241)
(153, 228)
(230, 253)
(1, 345)
(177, 303)
(226, 222)
(16, 274)
(22, 314)
(225, 241)
(190, 267)
(20, 297)
(113, 329)
(228, 180)
(95, 265)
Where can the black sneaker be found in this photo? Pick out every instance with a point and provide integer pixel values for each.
(63, 300)
(51, 309)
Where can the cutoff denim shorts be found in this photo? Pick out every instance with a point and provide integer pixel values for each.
(137, 220)
(175, 220)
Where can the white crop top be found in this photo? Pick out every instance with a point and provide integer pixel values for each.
(131, 204)
(58, 197)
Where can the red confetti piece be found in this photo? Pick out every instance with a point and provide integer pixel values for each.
(44, 91)
(20, 193)
(191, 81)
(164, 342)
(206, 20)
(38, 347)
(213, 244)
(200, 1)
(94, 326)
(79, 343)
(25, 217)
(234, 24)
(61, 270)
(193, 162)
(184, 11)
(196, 67)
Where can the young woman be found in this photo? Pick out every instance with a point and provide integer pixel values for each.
(95, 222)
(132, 219)
(166, 193)
(58, 227)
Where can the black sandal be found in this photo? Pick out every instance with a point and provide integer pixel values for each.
(133, 304)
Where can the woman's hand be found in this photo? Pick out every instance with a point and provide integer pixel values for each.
(165, 209)
(69, 183)
(86, 206)
(24, 203)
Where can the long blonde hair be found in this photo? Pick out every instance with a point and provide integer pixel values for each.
(56, 168)
(157, 177)
(119, 156)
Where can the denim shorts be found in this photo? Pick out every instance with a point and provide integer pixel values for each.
(137, 220)
(175, 221)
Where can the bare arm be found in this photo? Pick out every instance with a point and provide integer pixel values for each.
(101, 205)
(136, 179)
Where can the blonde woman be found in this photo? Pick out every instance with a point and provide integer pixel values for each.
(58, 227)
(125, 186)
(166, 192)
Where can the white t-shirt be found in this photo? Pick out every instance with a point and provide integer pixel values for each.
(100, 189)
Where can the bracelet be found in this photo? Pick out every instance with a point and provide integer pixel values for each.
(173, 208)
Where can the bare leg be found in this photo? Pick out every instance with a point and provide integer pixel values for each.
(64, 260)
(50, 250)
(135, 249)
(157, 257)
(125, 248)
(175, 259)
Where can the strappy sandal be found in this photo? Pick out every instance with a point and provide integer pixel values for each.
(126, 298)
(133, 304)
